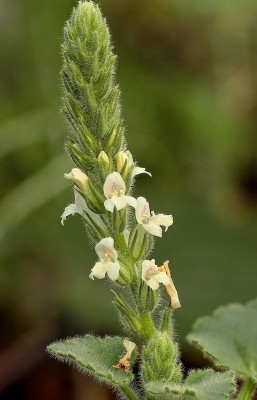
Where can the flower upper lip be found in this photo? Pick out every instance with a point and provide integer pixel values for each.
(115, 193)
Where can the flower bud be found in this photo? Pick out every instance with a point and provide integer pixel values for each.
(160, 359)
(122, 159)
(79, 178)
(103, 158)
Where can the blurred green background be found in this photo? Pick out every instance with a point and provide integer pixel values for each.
(188, 74)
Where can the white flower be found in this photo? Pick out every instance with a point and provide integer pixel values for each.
(153, 275)
(151, 222)
(79, 178)
(126, 157)
(115, 192)
(108, 260)
(77, 208)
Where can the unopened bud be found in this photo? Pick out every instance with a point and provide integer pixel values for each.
(79, 178)
(103, 158)
(122, 159)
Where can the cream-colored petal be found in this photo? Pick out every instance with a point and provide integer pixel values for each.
(129, 346)
(162, 219)
(155, 230)
(113, 269)
(121, 159)
(162, 277)
(78, 177)
(130, 157)
(71, 209)
(131, 201)
(148, 266)
(138, 170)
(142, 209)
(104, 158)
(80, 202)
(98, 271)
(119, 202)
(105, 248)
(173, 294)
(82, 206)
(152, 283)
(113, 183)
(109, 205)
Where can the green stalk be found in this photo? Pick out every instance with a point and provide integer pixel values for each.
(248, 390)
(128, 392)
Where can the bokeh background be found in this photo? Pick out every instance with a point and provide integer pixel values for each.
(188, 74)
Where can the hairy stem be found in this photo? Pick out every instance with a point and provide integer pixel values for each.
(130, 395)
(247, 391)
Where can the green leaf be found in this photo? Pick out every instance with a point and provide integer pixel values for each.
(229, 338)
(200, 385)
(94, 356)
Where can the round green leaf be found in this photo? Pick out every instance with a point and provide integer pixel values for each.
(229, 338)
(199, 385)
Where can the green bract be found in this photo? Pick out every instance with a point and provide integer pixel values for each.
(229, 338)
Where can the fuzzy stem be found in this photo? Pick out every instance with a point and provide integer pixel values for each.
(166, 325)
(248, 390)
(130, 395)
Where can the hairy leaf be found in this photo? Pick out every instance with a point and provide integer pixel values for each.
(200, 385)
(94, 356)
(229, 338)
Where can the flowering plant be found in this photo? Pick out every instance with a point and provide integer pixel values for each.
(122, 230)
